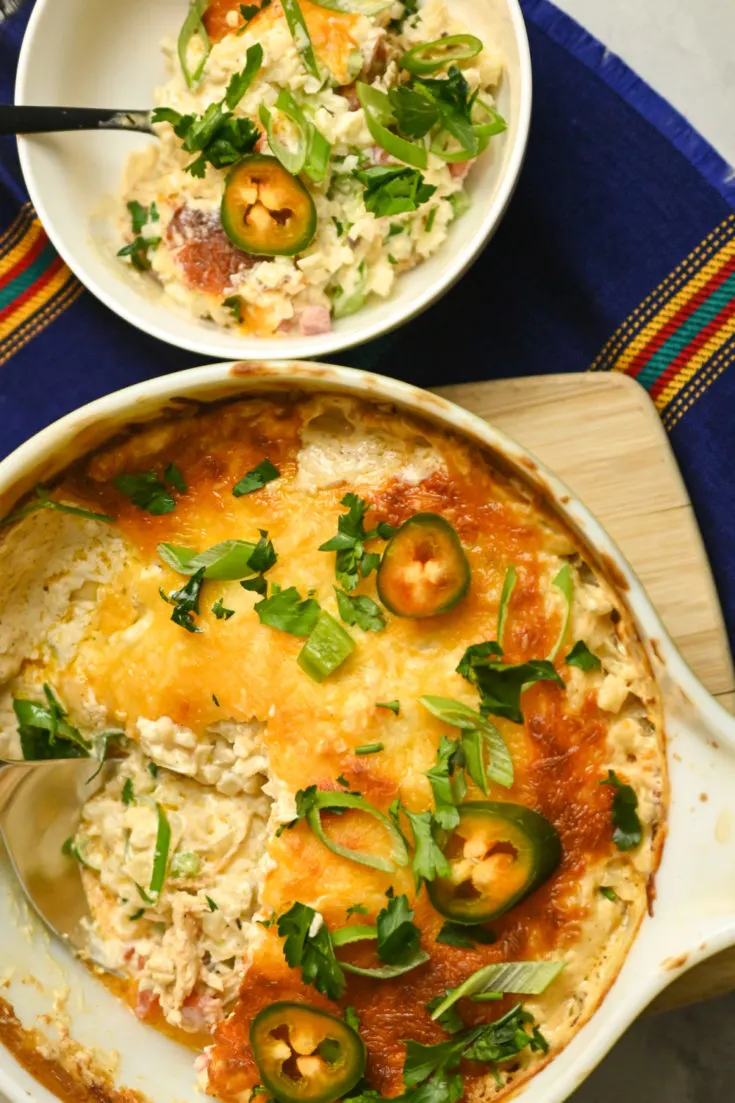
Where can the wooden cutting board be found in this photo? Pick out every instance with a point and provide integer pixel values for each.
(602, 435)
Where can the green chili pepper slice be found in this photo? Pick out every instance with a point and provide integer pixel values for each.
(305, 1055)
(191, 27)
(266, 210)
(424, 570)
(312, 150)
(498, 854)
(378, 114)
(428, 57)
(335, 800)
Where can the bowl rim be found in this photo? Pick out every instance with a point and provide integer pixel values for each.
(686, 934)
(298, 346)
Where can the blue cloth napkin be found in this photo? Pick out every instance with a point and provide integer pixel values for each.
(617, 253)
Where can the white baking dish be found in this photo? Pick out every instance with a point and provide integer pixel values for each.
(693, 914)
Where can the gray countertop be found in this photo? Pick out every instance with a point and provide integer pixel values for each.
(686, 51)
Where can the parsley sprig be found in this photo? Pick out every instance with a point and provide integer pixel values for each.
(219, 138)
(149, 492)
(186, 602)
(500, 684)
(353, 562)
(628, 831)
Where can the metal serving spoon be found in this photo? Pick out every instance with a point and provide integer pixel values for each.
(40, 808)
(44, 120)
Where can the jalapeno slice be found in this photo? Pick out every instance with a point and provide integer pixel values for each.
(424, 570)
(498, 854)
(265, 210)
(305, 1055)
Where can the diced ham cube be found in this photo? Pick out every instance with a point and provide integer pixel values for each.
(459, 169)
(314, 319)
(146, 1001)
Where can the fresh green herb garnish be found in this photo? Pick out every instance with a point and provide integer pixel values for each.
(353, 562)
(138, 215)
(478, 734)
(393, 189)
(153, 769)
(527, 978)
(398, 935)
(220, 612)
(582, 657)
(370, 748)
(500, 684)
(263, 556)
(257, 585)
(44, 731)
(226, 561)
(211, 904)
(308, 946)
(362, 611)
(286, 610)
(217, 136)
(249, 12)
(628, 831)
(343, 781)
(464, 938)
(356, 909)
(430, 220)
(186, 602)
(193, 27)
(127, 796)
(44, 502)
(609, 893)
(175, 478)
(149, 493)
(160, 855)
(300, 34)
(264, 472)
(564, 582)
(509, 583)
(137, 915)
(449, 1020)
(394, 706)
(447, 783)
(137, 250)
(234, 304)
(428, 859)
(341, 227)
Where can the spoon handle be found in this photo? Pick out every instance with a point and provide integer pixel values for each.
(40, 120)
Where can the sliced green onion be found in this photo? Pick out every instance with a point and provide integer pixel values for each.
(358, 932)
(379, 113)
(326, 648)
(185, 863)
(508, 586)
(160, 855)
(387, 972)
(327, 801)
(300, 34)
(487, 997)
(527, 978)
(292, 159)
(460, 203)
(45, 502)
(477, 732)
(564, 582)
(358, 7)
(427, 57)
(370, 748)
(343, 305)
(191, 27)
(226, 561)
(76, 848)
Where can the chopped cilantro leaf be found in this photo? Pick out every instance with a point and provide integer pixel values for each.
(362, 611)
(174, 477)
(449, 788)
(356, 909)
(147, 492)
(464, 938)
(582, 657)
(353, 562)
(220, 612)
(428, 859)
(234, 304)
(393, 190)
(343, 781)
(138, 215)
(263, 556)
(308, 946)
(256, 479)
(628, 831)
(398, 935)
(258, 585)
(153, 769)
(449, 1020)
(500, 684)
(186, 601)
(285, 610)
(211, 904)
(127, 796)
(137, 250)
(249, 12)
(609, 893)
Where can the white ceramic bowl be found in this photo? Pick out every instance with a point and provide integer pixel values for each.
(694, 911)
(105, 53)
